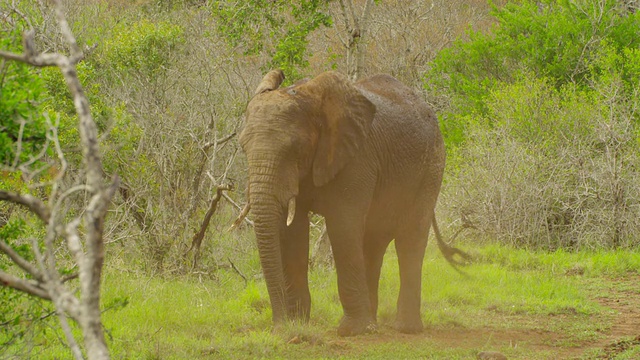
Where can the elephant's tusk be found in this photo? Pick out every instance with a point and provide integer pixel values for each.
(292, 210)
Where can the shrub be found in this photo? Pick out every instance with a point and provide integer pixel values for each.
(540, 121)
(279, 28)
(143, 46)
(22, 124)
(557, 168)
(556, 40)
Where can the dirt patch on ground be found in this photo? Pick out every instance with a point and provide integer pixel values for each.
(624, 300)
(619, 332)
(611, 350)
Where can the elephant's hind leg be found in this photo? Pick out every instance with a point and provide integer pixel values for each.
(410, 247)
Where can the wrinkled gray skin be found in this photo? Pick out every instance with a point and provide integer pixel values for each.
(369, 157)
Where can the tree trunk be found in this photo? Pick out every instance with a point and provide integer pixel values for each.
(356, 29)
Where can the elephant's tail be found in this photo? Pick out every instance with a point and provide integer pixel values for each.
(448, 251)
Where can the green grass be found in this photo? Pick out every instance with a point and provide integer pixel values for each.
(222, 317)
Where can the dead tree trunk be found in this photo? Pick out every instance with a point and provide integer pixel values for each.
(196, 241)
(87, 248)
(355, 30)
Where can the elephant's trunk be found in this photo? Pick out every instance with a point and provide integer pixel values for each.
(268, 212)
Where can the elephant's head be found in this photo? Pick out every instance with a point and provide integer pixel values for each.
(309, 130)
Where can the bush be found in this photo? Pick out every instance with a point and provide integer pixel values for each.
(143, 46)
(540, 121)
(279, 28)
(22, 124)
(556, 40)
(557, 168)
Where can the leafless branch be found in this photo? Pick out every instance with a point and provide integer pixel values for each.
(43, 151)
(74, 244)
(68, 193)
(218, 142)
(23, 285)
(244, 211)
(16, 158)
(72, 343)
(89, 257)
(345, 17)
(233, 266)
(32, 203)
(351, 14)
(52, 136)
(355, 28)
(197, 238)
(20, 261)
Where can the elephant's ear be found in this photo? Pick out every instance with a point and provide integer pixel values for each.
(346, 116)
(271, 81)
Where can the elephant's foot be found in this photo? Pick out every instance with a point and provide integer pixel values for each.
(412, 326)
(352, 327)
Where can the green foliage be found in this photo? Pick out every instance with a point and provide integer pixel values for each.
(21, 316)
(557, 40)
(279, 27)
(123, 133)
(22, 93)
(120, 146)
(10, 232)
(143, 46)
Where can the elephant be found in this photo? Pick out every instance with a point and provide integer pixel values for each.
(367, 156)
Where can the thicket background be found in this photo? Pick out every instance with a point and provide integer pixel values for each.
(538, 102)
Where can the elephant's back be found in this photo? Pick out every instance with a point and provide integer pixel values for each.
(405, 131)
(388, 91)
(399, 109)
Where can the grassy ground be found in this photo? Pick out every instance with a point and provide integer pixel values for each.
(526, 305)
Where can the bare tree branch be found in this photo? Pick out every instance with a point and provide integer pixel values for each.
(73, 240)
(363, 27)
(90, 257)
(32, 203)
(218, 142)
(76, 53)
(351, 14)
(23, 285)
(356, 28)
(346, 26)
(235, 268)
(16, 158)
(31, 55)
(197, 238)
(72, 343)
(244, 211)
(20, 261)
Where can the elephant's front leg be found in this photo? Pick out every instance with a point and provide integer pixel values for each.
(295, 260)
(346, 236)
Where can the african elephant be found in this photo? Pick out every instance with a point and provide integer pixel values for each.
(369, 157)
